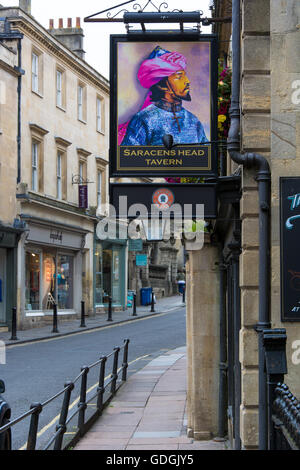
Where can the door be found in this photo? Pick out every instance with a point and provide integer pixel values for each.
(2, 285)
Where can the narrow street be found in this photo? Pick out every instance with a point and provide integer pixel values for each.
(37, 371)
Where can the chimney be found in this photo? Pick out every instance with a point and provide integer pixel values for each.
(71, 37)
(25, 5)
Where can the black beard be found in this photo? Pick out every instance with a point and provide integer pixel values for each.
(187, 97)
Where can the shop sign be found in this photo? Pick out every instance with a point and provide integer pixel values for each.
(163, 105)
(56, 236)
(135, 245)
(43, 234)
(289, 248)
(141, 260)
(190, 199)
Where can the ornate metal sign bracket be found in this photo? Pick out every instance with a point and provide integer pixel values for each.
(77, 179)
(141, 16)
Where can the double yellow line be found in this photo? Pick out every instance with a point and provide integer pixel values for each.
(49, 425)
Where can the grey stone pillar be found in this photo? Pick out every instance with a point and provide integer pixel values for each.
(202, 341)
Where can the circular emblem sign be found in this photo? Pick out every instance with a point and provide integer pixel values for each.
(163, 198)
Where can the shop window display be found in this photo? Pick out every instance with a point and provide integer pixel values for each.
(65, 282)
(49, 280)
(32, 281)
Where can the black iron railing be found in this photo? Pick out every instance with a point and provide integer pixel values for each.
(106, 389)
(283, 427)
(285, 419)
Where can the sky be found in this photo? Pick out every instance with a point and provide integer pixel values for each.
(96, 42)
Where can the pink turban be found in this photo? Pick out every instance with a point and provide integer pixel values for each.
(154, 70)
(158, 65)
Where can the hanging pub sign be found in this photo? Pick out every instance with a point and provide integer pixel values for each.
(289, 252)
(163, 105)
(83, 196)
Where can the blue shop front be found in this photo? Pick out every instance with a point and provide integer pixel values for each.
(110, 273)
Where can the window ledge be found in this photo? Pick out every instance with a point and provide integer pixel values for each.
(37, 93)
(82, 120)
(61, 108)
(100, 132)
(42, 313)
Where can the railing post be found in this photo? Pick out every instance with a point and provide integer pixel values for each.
(125, 360)
(114, 374)
(63, 416)
(82, 403)
(100, 388)
(134, 314)
(34, 424)
(274, 343)
(14, 325)
(55, 330)
(82, 324)
(109, 318)
(152, 303)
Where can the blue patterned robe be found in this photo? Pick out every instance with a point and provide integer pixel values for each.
(148, 127)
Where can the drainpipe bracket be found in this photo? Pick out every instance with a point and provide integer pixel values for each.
(260, 326)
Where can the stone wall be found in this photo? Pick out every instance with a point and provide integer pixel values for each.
(255, 137)
(285, 145)
(8, 131)
(270, 125)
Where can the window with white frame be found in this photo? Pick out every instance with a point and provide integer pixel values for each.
(35, 72)
(81, 171)
(59, 176)
(35, 167)
(99, 188)
(59, 88)
(80, 102)
(99, 115)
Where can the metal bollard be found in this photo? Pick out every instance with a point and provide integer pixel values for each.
(134, 314)
(55, 330)
(14, 325)
(109, 318)
(82, 324)
(152, 303)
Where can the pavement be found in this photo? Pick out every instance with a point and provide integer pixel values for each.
(148, 412)
(66, 327)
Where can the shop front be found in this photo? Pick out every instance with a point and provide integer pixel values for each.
(54, 259)
(110, 273)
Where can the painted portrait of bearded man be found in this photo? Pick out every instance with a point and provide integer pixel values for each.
(164, 74)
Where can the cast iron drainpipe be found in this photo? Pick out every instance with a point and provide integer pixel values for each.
(253, 160)
(21, 72)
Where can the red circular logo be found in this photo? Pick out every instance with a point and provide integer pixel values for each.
(163, 198)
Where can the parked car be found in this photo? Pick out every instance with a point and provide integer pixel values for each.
(5, 412)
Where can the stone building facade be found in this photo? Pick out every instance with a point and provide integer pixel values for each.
(270, 126)
(62, 128)
(9, 232)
